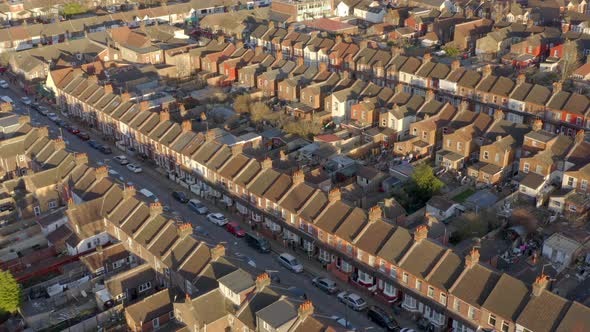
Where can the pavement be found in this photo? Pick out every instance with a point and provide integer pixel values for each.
(237, 251)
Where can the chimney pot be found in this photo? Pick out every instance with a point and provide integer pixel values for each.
(59, 144)
(538, 125)
(81, 158)
(156, 208)
(266, 163)
(101, 172)
(262, 281)
(128, 192)
(217, 252)
(187, 126)
(375, 213)
(541, 283)
(185, 229)
(298, 177)
(306, 309)
(498, 115)
(456, 64)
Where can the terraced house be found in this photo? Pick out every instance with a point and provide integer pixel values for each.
(356, 245)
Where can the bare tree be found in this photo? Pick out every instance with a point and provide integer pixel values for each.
(571, 59)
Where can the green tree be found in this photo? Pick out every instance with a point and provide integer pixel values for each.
(73, 8)
(259, 112)
(242, 104)
(452, 51)
(425, 180)
(9, 293)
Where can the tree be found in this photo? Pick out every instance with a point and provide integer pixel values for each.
(73, 8)
(242, 104)
(571, 59)
(470, 225)
(10, 296)
(259, 112)
(451, 51)
(425, 180)
(303, 128)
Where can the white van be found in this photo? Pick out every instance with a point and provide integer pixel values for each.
(149, 195)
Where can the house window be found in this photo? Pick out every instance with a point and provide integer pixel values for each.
(345, 267)
(144, 287)
(457, 305)
(448, 143)
(424, 135)
(459, 146)
(52, 204)
(405, 278)
(505, 326)
(349, 249)
(430, 291)
(486, 155)
(471, 313)
(443, 298)
(573, 208)
(570, 181)
(382, 265)
(584, 185)
(388, 289)
(539, 169)
(525, 167)
(89, 245)
(492, 320)
(418, 285)
(393, 272)
(359, 255)
(37, 210)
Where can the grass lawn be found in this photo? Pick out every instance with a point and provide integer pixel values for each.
(460, 198)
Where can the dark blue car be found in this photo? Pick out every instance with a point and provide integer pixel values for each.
(94, 144)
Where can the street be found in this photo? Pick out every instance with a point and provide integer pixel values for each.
(238, 252)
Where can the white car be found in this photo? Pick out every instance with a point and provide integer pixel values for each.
(26, 100)
(134, 168)
(290, 262)
(122, 160)
(343, 322)
(53, 117)
(3, 84)
(197, 206)
(352, 300)
(217, 218)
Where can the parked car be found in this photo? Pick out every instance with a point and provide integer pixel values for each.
(407, 329)
(105, 149)
(180, 196)
(217, 218)
(43, 110)
(382, 318)
(94, 144)
(60, 123)
(83, 136)
(352, 300)
(53, 117)
(148, 194)
(122, 160)
(258, 242)
(235, 229)
(26, 100)
(290, 262)
(198, 207)
(3, 84)
(134, 168)
(325, 284)
(73, 130)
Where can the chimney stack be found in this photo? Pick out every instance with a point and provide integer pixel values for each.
(375, 213)
(421, 233)
(187, 126)
(456, 64)
(283, 156)
(520, 79)
(487, 70)
(557, 86)
(43, 131)
(101, 172)
(262, 281)
(81, 158)
(266, 163)
(498, 115)
(144, 105)
(217, 252)
(323, 67)
(464, 106)
(125, 96)
(580, 136)
(538, 125)
(429, 95)
(541, 283)
(156, 209)
(59, 144)
(186, 229)
(334, 195)
(298, 177)
(108, 88)
(427, 57)
(128, 192)
(305, 310)
(399, 88)
(71, 202)
(472, 259)
(24, 119)
(164, 116)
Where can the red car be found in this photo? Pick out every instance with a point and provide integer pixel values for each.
(74, 130)
(235, 229)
